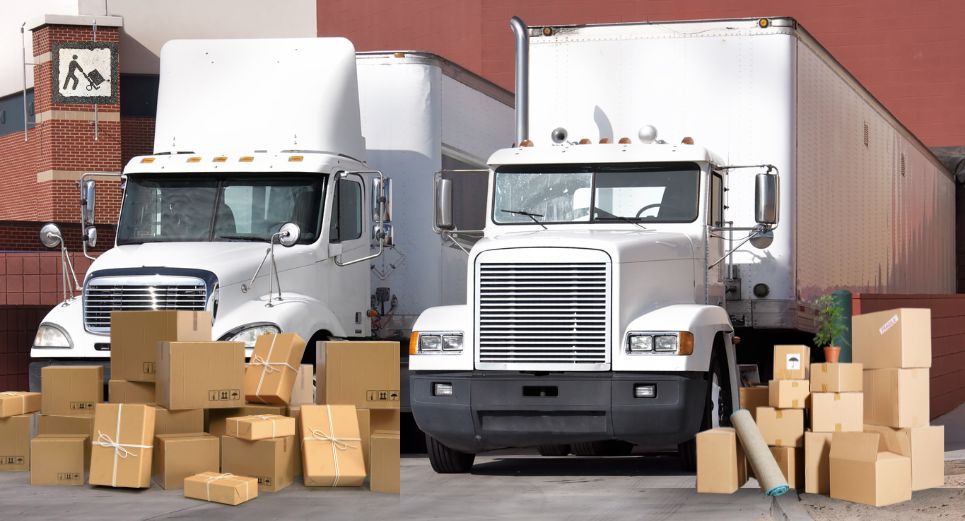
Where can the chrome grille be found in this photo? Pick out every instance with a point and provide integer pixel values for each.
(543, 313)
(105, 294)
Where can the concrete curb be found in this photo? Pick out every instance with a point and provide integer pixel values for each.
(788, 508)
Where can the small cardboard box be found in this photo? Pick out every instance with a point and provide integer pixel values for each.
(68, 425)
(271, 461)
(135, 336)
(836, 378)
(753, 397)
(791, 362)
(200, 375)
(178, 456)
(897, 338)
(328, 427)
(837, 412)
(925, 447)
(790, 460)
(781, 427)
(295, 411)
(896, 397)
(386, 462)
(274, 366)
(226, 489)
(123, 391)
(261, 427)
(178, 422)
(861, 474)
(122, 446)
(363, 374)
(59, 459)
(787, 394)
(721, 465)
(15, 403)
(817, 450)
(15, 443)
(71, 390)
(371, 420)
(303, 392)
(216, 419)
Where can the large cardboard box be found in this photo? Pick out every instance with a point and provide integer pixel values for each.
(837, 412)
(787, 394)
(817, 469)
(71, 390)
(791, 362)
(200, 375)
(123, 391)
(925, 447)
(835, 378)
(15, 403)
(216, 419)
(135, 336)
(781, 427)
(227, 489)
(271, 461)
(274, 367)
(386, 462)
(721, 464)
(178, 456)
(15, 443)
(896, 397)
(363, 374)
(331, 446)
(897, 338)
(753, 397)
(303, 392)
(261, 427)
(861, 474)
(59, 459)
(178, 422)
(123, 445)
(68, 425)
(791, 462)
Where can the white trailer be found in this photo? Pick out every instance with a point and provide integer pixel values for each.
(638, 221)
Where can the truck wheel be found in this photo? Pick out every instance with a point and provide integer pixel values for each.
(553, 450)
(445, 460)
(717, 408)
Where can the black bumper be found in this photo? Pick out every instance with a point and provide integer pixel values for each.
(496, 410)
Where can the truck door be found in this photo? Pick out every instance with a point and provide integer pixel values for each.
(351, 229)
(715, 241)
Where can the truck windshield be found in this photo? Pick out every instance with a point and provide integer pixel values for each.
(665, 192)
(166, 208)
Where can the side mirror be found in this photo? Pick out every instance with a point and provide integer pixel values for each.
(90, 236)
(766, 199)
(382, 200)
(443, 204)
(87, 199)
(385, 234)
(288, 234)
(50, 235)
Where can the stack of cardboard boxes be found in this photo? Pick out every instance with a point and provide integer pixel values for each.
(782, 422)
(836, 406)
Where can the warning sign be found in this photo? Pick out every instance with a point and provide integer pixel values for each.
(84, 72)
(382, 396)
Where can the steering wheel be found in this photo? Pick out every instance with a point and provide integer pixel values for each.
(645, 208)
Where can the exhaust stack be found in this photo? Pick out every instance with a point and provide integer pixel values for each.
(522, 78)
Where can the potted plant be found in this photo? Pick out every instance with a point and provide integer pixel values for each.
(830, 325)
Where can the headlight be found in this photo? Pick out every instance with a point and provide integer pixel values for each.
(664, 342)
(250, 333)
(640, 343)
(452, 342)
(435, 343)
(51, 336)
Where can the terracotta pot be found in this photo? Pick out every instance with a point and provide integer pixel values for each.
(831, 354)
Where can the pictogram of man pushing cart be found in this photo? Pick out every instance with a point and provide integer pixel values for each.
(94, 78)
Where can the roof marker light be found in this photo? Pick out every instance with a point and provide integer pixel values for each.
(624, 141)
(295, 158)
(525, 143)
(687, 140)
(763, 23)
(246, 159)
(585, 141)
(147, 160)
(604, 140)
(194, 159)
(220, 159)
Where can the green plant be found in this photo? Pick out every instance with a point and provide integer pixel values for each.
(829, 319)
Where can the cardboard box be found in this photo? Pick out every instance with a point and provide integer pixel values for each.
(68, 425)
(15, 403)
(135, 336)
(71, 390)
(58, 459)
(226, 489)
(753, 397)
(791, 462)
(925, 447)
(261, 427)
(178, 456)
(897, 338)
(200, 375)
(295, 411)
(15, 443)
(896, 397)
(817, 470)
(216, 419)
(721, 465)
(178, 422)
(271, 461)
(303, 392)
(371, 420)
(836, 378)
(363, 374)
(781, 427)
(274, 366)
(328, 427)
(123, 391)
(837, 412)
(386, 462)
(861, 474)
(791, 362)
(122, 448)
(788, 394)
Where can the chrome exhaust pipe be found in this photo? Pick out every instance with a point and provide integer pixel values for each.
(522, 78)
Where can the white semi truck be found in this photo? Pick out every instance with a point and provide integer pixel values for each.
(670, 183)
(253, 135)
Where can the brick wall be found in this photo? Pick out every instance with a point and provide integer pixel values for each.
(137, 137)
(18, 325)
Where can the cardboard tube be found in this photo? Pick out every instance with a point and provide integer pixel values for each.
(760, 457)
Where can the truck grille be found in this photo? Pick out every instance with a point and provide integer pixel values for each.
(105, 294)
(543, 313)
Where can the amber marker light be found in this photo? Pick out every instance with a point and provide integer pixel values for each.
(686, 345)
(624, 141)
(194, 159)
(525, 143)
(585, 141)
(604, 141)
(687, 140)
(414, 343)
(764, 23)
(246, 159)
(220, 159)
(147, 160)
(293, 159)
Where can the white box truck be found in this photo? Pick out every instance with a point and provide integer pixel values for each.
(670, 182)
(254, 134)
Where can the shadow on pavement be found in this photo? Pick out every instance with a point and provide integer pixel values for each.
(655, 465)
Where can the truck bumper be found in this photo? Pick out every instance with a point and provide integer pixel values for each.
(490, 411)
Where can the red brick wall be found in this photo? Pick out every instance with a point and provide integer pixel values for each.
(137, 137)
(17, 329)
(24, 236)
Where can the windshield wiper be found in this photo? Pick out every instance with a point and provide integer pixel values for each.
(531, 215)
(250, 238)
(610, 217)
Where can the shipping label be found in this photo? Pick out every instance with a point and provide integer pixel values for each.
(387, 395)
(793, 361)
(888, 325)
(224, 395)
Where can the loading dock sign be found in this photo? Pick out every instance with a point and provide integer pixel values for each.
(85, 72)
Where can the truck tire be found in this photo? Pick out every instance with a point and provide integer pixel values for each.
(447, 461)
(603, 448)
(553, 450)
(717, 408)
